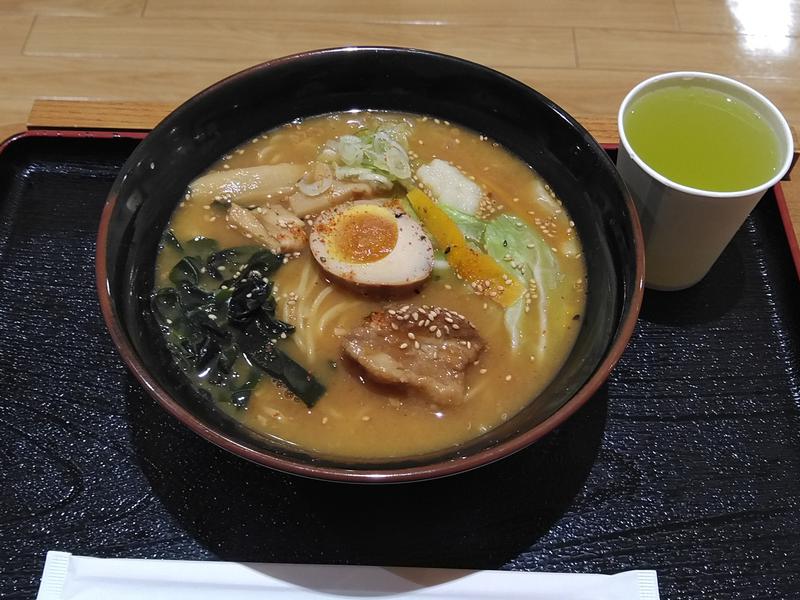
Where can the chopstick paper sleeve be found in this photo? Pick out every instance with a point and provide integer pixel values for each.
(68, 577)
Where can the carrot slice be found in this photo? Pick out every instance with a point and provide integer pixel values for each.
(480, 270)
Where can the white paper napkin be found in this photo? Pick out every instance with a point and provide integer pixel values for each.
(68, 577)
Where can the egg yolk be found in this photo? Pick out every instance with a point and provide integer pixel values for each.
(364, 236)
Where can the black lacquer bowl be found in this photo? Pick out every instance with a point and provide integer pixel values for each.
(268, 95)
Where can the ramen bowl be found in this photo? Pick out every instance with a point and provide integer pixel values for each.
(195, 135)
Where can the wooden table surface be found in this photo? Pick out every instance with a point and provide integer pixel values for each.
(585, 55)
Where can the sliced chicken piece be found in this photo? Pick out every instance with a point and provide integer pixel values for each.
(248, 186)
(425, 348)
(273, 227)
(245, 221)
(284, 226)
(339, 192)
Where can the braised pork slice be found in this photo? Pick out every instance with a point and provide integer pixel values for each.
(427, 348)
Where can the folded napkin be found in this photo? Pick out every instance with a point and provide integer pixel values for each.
(68, 577)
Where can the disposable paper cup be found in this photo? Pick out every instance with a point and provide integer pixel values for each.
(686, 229)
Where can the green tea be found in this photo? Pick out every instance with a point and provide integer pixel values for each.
(702, 138)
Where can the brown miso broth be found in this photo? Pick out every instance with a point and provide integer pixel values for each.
(359, 416)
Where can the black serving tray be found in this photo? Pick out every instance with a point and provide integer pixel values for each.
(687, 461)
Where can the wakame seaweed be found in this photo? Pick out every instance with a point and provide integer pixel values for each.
(225, 334)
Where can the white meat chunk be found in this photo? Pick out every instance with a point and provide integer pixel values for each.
(283, 225)
(423, 348)
(273, 227)
(450, 187)
(338, 193)
(248, 186)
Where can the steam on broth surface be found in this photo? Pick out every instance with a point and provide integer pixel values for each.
(428, 284)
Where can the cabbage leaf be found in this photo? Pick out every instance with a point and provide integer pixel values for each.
(472, 227)
(526, 256)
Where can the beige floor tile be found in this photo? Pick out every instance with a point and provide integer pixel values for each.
(130, 79)
(13, 33)
(730, 54)
(650, 14)
(15, 109)
(261, 40)
(600, 92)
(130, 8)
(754, 17)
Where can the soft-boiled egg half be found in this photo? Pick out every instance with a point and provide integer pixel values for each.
(371, 244)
